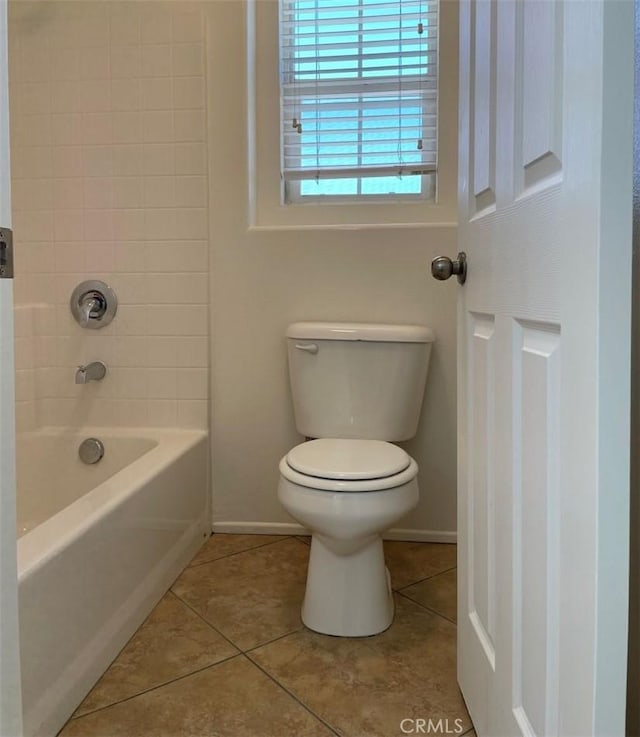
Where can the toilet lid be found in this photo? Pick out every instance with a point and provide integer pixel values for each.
(348, 459)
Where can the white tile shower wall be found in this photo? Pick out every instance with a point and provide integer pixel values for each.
(109, 174)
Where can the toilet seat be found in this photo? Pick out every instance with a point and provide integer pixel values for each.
(331, 458)
(345, 465)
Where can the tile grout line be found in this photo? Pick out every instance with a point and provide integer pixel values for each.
(236, 552)
(231, 642)
(292, 695)
(426, 578)
(213, 627)
(275, 639)
(155, 688)
(207, 622)
(428, 609)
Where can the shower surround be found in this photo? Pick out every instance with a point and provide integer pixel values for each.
(109, 180)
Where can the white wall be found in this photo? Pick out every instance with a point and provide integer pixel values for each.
(109, 182)
(264, 278)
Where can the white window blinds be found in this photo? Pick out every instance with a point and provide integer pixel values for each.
(359, 88)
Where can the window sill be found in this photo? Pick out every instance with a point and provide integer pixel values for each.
(349, 215)
(352, 226)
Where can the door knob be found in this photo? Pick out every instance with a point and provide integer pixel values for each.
(443, 268)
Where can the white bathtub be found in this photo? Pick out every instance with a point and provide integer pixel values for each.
(99, 545)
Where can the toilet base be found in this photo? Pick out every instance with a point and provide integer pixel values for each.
(347, 595)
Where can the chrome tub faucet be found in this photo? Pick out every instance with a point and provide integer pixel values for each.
(95, 371)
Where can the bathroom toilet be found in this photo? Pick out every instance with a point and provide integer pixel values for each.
(355, 388)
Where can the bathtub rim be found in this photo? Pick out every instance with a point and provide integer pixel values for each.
(40, 544)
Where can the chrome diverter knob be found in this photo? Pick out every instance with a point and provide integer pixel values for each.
(93, 304)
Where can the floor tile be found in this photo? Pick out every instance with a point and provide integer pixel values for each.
(438, 593)
(251, 597)
(232, 699)
(173, 642)
(411, 562)
(364, 687)
(221, 544)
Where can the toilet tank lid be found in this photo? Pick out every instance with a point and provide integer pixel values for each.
(361, 331)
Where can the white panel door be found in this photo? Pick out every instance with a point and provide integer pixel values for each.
(543, 324)
(10, 702)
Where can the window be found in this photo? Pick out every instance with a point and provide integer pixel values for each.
(359, 98)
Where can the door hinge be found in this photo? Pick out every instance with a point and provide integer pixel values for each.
(6, 253)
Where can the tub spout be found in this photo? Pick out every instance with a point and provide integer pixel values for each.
(95, 371)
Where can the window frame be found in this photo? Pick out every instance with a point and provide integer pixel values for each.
(266, 187)
(358, 87)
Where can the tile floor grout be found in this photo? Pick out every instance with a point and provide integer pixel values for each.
(224, 637)
(236, 552)
(275, 639)
(292, 695)
(156, 687)
(206, 621)
(426, 578)
(239, 654)
(429, 609)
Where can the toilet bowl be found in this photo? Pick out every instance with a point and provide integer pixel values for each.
(347, 492)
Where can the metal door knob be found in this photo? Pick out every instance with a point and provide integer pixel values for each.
(443, 268)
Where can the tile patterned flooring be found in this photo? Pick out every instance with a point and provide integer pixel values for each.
(224, 653)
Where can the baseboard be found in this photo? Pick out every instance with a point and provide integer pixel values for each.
(422, 536)
(291, 528)
(260, 528)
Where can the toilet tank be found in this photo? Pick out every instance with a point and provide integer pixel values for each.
(358, 380)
